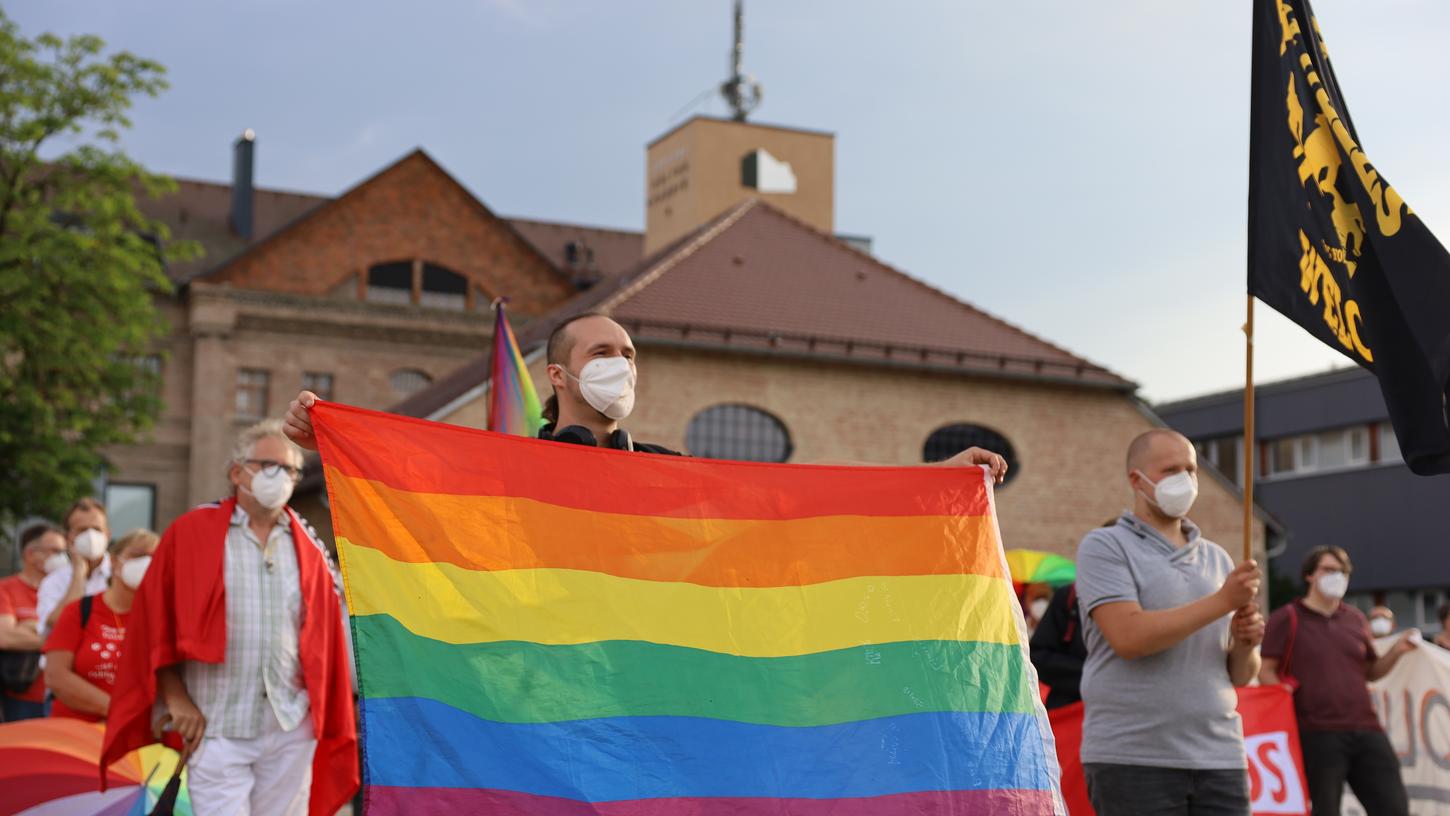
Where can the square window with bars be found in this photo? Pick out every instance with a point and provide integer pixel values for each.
(319, 383)
(252, 387)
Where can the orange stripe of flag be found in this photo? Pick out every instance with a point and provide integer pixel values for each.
(489, 533)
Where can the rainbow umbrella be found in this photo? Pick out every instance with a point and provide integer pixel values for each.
(1036, 567)
(48, 767)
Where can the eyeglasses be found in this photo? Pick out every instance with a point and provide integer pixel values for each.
(270, 467)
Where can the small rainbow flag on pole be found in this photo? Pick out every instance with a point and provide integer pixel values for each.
(513, 404)
(552, 630)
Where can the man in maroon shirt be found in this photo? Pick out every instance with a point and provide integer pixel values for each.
(1324, 648)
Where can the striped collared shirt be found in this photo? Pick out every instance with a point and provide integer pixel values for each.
(262, 674)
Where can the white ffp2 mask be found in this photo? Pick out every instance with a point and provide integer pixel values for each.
(270, 491)
(607, 384)
(1333, 584)
(134, 570)
(1380, 627)
(1175, 494)
(90, 544)
(54, 562)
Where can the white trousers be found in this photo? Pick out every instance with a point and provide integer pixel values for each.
(266, 775)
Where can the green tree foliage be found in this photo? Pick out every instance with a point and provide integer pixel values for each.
(80, 267)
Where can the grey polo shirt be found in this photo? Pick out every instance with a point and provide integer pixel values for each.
(1176, 708)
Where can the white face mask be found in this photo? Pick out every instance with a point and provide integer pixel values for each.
(1332, 585)
(1037, 608)
(90, 544)
(607, 384)
(55, 562)
(134, 570)
(270, 491)
(1175, 494)
(1381, 627)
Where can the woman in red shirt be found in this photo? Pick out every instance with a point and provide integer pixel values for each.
(81, 655)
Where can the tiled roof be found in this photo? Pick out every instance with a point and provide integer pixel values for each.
(598, 253)
(199, 211)
(757, 280)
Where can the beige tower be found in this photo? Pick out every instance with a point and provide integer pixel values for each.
(707, 165)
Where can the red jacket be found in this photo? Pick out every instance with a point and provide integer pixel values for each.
(180, 614)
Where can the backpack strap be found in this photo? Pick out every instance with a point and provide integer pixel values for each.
(1284, 665)
(1071, 628)
(86, 603)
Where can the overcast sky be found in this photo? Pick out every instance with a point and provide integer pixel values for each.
(1078, 169)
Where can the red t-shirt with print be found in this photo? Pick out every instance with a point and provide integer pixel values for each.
(18, 598)
(97, 648)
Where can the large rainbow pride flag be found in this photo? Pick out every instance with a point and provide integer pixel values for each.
(552, 630)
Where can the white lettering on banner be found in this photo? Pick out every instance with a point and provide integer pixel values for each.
(1413, 703)
(1273, 780)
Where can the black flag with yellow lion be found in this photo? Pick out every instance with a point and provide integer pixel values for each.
(1332, 246)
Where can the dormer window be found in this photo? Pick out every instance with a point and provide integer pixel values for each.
(420, 283)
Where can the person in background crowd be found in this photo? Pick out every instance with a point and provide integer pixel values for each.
(84, 648)
(1171, 627)
(89, 570)
(238, 631)
(1443, 638)
(1058, 651)
(1322, 648)
(1381, 621)
(42, 550)
(1035, 599)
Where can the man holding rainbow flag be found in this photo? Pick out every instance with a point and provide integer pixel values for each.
(568, 629)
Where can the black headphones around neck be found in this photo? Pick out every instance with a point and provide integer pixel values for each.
(580, 435)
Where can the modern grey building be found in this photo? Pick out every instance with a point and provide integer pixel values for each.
(1329, 469)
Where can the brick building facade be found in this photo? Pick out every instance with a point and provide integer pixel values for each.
(380, 297)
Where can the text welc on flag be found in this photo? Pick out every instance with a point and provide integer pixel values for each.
(550, 629)
(1332, 246)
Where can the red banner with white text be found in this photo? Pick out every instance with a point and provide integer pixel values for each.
(1271, 739)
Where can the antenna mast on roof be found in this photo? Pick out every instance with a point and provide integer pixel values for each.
(741, 91)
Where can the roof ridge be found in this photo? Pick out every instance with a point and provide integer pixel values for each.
(935, 290)
(1347, 371)
(574, 224)
(416, 152)
(724, 221)
(255, 188)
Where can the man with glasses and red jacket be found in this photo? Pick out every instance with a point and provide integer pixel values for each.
(238, 631)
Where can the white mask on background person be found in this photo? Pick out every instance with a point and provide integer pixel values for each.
(1175, 494)
(1332, 585)
(607, 384)
(270, 491)
(1380, 627)
(90, 544)
(134, 570)
(55, 562)
(1038, 608)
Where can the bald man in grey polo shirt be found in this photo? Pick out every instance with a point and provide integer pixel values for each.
(1171, 628)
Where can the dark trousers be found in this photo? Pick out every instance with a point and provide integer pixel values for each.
(1365, 760)
(1137, 790)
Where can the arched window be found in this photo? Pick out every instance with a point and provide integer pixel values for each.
(738, 432)
(407, 381)
(443, 288)
(949, 440)
(391, 282)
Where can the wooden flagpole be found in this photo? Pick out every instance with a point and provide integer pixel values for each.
(1250, 448)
